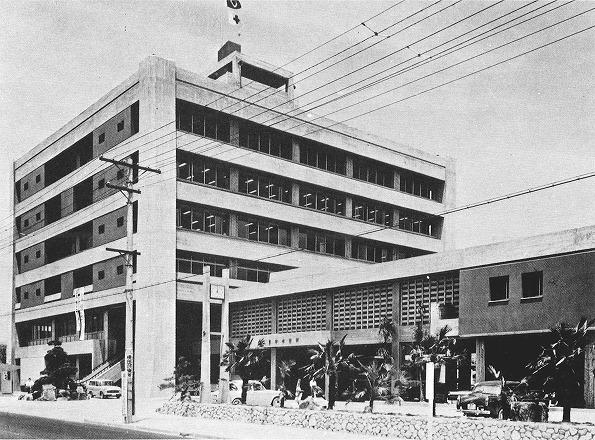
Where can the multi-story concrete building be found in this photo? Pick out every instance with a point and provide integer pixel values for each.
(242, 186)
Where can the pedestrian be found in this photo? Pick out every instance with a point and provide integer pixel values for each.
(29, 385)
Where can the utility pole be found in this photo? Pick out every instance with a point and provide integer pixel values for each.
(205, 346)
(223, 373)
(130, 254)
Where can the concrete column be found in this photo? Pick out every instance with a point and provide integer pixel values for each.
(234, 131)
(235, 78)
(77, 364)
(289, 89)
(155, 326)
(329, 311)
(349, 207)
(233, 224)
(480, 359)
(295, 237)
(53, 329)
(106, 353)
(396, 341)
(234, 179)
(396, 216)
(589, 372)
(295, 150)
(295, 193)
(349, 166)
(348, 246)
(205, 345)
(449, 200)
(273, 368)
(397, 179)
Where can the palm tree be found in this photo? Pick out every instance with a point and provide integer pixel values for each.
(244, 360)
(559, 365)
(387, 332)
(378, 375)
(285, 368)
(329, 360)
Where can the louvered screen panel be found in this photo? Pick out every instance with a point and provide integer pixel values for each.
(251, 319)
(419, 292)
(362, 307)
(301, 313)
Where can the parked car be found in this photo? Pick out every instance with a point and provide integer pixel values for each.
(489, 398)
(103, 388)
(257, 394)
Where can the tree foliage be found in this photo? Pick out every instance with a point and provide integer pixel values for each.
(183, 381)
(558, 367)
(58, 369)
(244, 360)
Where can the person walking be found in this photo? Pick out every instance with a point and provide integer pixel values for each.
(29, 385)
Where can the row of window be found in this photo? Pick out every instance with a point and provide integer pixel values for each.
(531, 286)
(216, 173)
(192, 262)
(215, 125)
(207, 219)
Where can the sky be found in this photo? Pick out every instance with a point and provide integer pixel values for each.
(520, 124)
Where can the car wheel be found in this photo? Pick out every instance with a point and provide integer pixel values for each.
(236, 401)
(276, 402)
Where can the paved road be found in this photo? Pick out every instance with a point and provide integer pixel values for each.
(21, 426)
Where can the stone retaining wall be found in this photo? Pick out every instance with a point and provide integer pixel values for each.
(401, 426)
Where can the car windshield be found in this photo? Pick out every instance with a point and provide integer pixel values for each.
(488, 388)
(233, 387)
(257, 386)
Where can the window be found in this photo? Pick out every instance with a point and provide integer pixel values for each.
(202, 121)
(26, 295)
(191, 262)
(198, 218)
(101, 274)
(532, 284)
(267, 141)
(265, 186)
(18, 295)
(418, 222)
(26, 222)
(37, 292)
(322, 200)
(38, 178)
(373, 172)
(499, 288)
(120, 269)
(263, 230)
(373, 251)
(101, 183)
(321, 242)
(38, 216)
(120, 125)
(25, 258)
(322, 156)
(101, 138)
(202, 170)
(120, 174)
(373, 212)
(421, 186)
(101, 229)
(37, 254)
(26, 186)
(120, 222)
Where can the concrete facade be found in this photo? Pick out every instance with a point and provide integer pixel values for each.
(66, 216)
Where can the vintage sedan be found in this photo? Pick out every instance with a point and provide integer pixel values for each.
(257, 394)
(489, 398)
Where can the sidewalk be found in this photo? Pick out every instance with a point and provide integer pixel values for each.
(109, 412)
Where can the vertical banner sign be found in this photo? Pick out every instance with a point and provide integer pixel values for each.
(79, 311)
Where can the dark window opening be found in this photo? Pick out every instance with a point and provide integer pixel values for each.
(196, 119)
(264, 230)
(265, 186)
(375, 252)
(101, 274)
(101, 138)
(69, 160)
(120, 222)
(373, 212)
(202, 170)
(373, 171)
(83, 277)
(38, 178)
(120, 174)
(422, 186)
(499, 288)
(25, 258)
(532, 284)
(82, 194)
(120, 125)
(321, 242)
(37, 292)
(53, 209)
(101, 183)
(38, 216)
(134, 217)
(69, 243)
(37, 254)
(26, 186)
(418, 222)
(101, 229)
(26, 223)
(265, 140)
(26, 295)
(53, 285)
(134, 118)
(17, 294)
(322, 199)
(199, 218)
(192, 262)
(120, 269)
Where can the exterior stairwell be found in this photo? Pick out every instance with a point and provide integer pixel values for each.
(109, 370)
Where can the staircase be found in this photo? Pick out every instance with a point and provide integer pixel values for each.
(109, 370)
